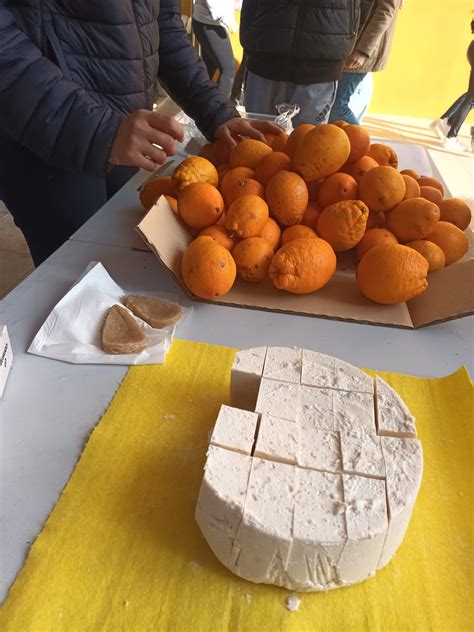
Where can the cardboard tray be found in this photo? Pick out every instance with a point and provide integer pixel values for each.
(449, 295)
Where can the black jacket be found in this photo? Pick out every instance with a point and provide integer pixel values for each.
(301, 41)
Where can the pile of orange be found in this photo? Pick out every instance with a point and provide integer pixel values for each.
(282, 209)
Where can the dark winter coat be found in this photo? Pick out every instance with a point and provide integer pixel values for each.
(70, 70)
(300, 41)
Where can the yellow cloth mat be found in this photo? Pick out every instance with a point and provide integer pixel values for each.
(121, 550)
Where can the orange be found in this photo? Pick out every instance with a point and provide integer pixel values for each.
(154, 188)
(271, 164)
(358, 168)
(392, 274)
(303, 265)
(455, 211)
(239, 173)
(253, 257)
(343, 224)
(271, 232)
(287, 197)
(297, 232)
(221, 235)
(247, 216)
(375, 220)
(381, 188)
(311, 215)
(374, 237)
(242, 187)
(431, 182)
(208, 268)
(359, 138)
(452, 241)
(412, 219)
(337, 187)
(278, 143)
(248, 153)
(340, 123)
(413, 173)
(412, 188)
(218, 152)
(200, 205)
(221, 172)
(295, 138)
(384, 155)
(173, 202)
(322, 152)
(194, 169)
(430, 251)
(431, 194)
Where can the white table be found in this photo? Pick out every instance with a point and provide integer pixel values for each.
(49, 408)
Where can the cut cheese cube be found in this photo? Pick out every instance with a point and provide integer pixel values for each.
(279, 399)
(362, 453)
(263, 542)
(366, 519)
(319, 531)
(317, 408)
(353, 410)
(247, 370)
(284, 364)
(404, 466)
(235, 429)
(221, 499)
(320, 450)
(393, 417)
(324, 371)
(277, 439)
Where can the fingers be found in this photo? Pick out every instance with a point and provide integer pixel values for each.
(266, 126)
(157, 155)
(165, 141)
(252, 132)
(145, 163)
(166, 124)
(223, 133)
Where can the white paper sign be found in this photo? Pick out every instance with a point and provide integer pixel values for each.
(72, 330)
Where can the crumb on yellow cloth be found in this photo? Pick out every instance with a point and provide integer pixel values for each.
(121, 550)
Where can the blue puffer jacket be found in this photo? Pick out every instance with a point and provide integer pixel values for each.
(70, 70)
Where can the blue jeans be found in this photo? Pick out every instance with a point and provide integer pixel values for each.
(347, 86)
(315, 99)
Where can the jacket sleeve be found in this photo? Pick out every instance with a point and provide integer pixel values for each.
(53, 117)
(184, 75)
(378, 22)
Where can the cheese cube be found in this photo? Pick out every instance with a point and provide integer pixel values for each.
(320, 450)
(362, 453)
(353, 410)
(279, 399)
(235, 429)
(221, 499)
(277, 439)
(245, 377)
(367, 522)
(325, 371)
(263, 542)
(319, 531)
(404, 465)
(317, 408)
(284, 364)
(393, 417)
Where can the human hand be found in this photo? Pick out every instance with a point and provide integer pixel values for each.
(144, 139)
(400, 4)
(355, 60)
(245, 127)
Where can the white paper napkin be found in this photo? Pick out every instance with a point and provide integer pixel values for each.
(72, 330)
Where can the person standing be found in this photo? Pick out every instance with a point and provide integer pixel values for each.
(295, 53)
(213, 20)
(370, 54)
(77, 81)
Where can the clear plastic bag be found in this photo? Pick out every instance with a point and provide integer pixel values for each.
(286, 112)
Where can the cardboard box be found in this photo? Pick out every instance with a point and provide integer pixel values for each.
(6, 357)
(449, 295)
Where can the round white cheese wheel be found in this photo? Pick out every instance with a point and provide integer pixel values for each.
(312, 473)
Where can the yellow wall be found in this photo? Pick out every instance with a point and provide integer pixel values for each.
(428, 68)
